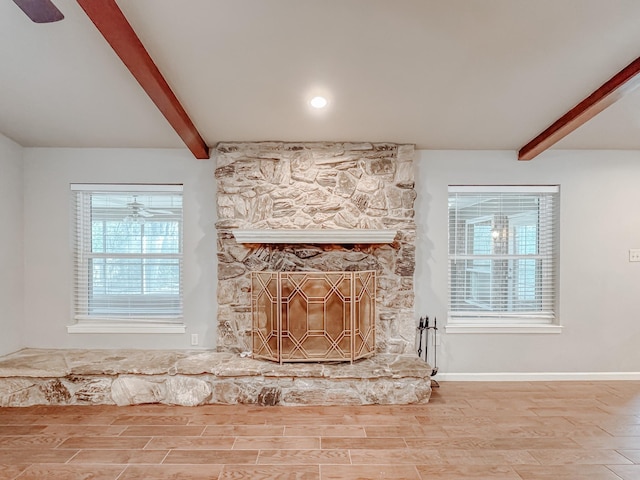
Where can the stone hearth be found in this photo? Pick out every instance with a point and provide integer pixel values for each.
(131, 377)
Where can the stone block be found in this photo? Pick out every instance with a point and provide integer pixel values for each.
(348, 217)
(405, 153)
(406, 263)
(17, 391)
(319, 393)
(55, 392)
(306, 252)
(33, 363)
(408, 198)
(368, 184)
(361, 201)
(345, 184)
(269, 396)
(302, 160)
(226, 393)
(405, 177)
(394, 197)
(268, 168)
(225, 171)
(381, 166)
(92, 390)
(334, 160)
(378, 201)
(130, 390)
(307, 176)
(188, 391)
(238, 252)
(230, 270)
(282, 175)
(321, 218)
(248, 170)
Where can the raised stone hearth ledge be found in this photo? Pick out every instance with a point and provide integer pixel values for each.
(191, 378)
(315, 236)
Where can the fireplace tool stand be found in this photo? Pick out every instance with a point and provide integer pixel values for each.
(429, 333)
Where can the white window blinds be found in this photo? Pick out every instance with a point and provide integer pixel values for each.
(503, 254)
(127, 242)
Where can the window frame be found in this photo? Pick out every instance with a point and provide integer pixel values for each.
(509, 321)
(171, 321)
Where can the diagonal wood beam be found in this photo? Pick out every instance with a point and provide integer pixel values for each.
(622, 83)
(114, 27)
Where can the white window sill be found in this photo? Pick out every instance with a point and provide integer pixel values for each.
(502, 328)
(117, 327)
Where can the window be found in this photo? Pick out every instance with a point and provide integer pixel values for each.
(502, 255)
(127, 253)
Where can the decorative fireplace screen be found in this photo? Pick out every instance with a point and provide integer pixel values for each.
(313, 316)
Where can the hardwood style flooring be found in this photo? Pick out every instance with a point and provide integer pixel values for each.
(508, 431)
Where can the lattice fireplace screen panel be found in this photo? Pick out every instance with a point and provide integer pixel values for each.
(313, 316)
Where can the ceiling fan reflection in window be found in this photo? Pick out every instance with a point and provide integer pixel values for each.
(138, 212)
(40, 11)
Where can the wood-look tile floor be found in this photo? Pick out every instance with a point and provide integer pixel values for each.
(515, 431)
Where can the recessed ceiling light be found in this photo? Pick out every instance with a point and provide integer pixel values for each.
(318, 102)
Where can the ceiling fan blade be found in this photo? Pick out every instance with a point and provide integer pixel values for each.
(40, 11)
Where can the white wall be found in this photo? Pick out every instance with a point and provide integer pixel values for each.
(599, 289)
(47, 246)
(11, 236)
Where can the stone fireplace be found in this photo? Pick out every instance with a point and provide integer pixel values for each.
(331, 191)
(322, 220)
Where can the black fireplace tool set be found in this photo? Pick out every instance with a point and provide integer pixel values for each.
(429, 333)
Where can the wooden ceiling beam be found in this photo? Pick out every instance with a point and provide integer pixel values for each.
(622, 83)
(114, 27)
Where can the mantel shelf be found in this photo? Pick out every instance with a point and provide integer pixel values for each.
(336, 236)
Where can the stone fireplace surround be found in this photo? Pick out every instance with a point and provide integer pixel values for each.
(328, 187)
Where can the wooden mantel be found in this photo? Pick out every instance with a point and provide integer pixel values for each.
(315, 236)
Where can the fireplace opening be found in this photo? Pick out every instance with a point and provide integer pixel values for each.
(313, 316)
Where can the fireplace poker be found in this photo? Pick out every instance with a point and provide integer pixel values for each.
(420, 333)
(426, 343)
(435, 350)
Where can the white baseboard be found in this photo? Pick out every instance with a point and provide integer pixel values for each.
(536, 376)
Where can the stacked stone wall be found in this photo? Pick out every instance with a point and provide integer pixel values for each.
(275, 185)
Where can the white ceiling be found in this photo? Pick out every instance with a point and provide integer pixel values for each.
(454, 74)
